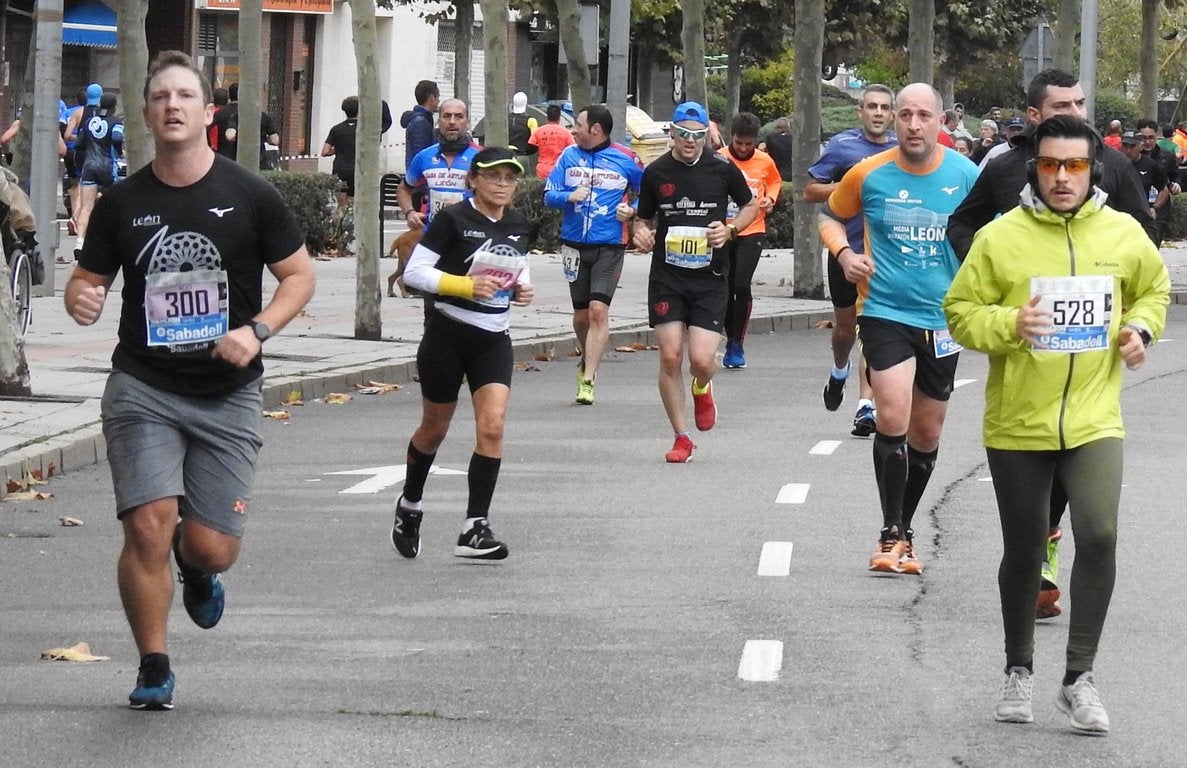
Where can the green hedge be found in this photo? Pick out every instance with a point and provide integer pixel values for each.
(311, 196)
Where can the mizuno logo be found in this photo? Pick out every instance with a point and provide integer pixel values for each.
(514, 238)
(220, 211)
(949, 190)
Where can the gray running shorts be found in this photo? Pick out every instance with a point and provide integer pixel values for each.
(202, 450)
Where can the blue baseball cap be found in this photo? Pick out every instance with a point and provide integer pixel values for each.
(94, 93)
(690, 110)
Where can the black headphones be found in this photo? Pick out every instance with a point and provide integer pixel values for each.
(1098, 162)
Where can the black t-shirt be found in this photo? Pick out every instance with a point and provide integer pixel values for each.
(230, 220)
(689, 197)
(225, 118)
(342, 139)
(779, 147)
(1152, 175)
(459, 230)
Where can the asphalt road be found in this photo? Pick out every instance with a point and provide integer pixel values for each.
(614, 635)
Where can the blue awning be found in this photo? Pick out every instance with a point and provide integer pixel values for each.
(89, 23)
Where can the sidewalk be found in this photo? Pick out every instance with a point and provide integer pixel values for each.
(59, 426)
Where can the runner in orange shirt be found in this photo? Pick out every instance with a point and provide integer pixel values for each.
(743, 252)
(551, 139)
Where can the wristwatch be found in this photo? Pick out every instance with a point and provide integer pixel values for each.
(733, 231)
(261, 330)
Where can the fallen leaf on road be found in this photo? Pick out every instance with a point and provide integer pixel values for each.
(377, 388)
(625, 348)
(822, 324)
(278, 415)
(574, 353)
(79, 652)
(545, 357)
(70, 522)
(30, 496)
(293, 398)
(336, 398)
(525, 366)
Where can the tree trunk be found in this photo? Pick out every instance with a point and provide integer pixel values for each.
(251, 23)
(22, 147)
(808, 276)
(693, 37)
(1066, 27)
(921, 41)
(644, 70)
(733, 74)
(368, 324)
(494, 43)
(463, 47)
(133, 58)
(1148, 103)
(946, 83)
(569, 26)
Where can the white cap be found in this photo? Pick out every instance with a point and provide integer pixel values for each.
(519, 103)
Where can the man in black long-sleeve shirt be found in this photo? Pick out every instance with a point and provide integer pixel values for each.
(1052, 92)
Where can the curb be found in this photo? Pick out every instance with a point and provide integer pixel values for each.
(86, 447)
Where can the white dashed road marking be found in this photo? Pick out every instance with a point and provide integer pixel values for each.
(792, 493)
(761, 661)
(775, 559)
(961, 382)
(825, 447)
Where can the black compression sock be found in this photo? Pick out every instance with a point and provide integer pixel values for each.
(919, 469)
(484, 473)
(1070, 676)
(890, 472)
(419, 465)
(155, 664)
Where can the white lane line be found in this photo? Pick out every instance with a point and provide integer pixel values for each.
(825, 447)
(961, 382)
(775, 559)
(761, 661)
(984, 479)
(792, 493)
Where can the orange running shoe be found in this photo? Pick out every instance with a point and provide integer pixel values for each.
(908, 561)
(888, 553)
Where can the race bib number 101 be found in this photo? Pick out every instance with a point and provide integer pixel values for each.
(1081, 310)
(687, 247)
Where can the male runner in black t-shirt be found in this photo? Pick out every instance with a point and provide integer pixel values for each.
(191, 233)
(688, 192)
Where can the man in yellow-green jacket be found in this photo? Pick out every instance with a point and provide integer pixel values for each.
(1058, 292)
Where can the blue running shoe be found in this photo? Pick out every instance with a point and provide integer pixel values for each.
(152, 694)
(202, 593)
(734, 356)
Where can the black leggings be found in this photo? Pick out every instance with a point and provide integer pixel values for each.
(1022, 480)
(743, 255)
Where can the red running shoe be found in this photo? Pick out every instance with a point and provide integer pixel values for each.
(681, 450)
(704, 409)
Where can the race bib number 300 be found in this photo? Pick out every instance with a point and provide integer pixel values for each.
(1081, 310)
(687, 247)
(185, 307)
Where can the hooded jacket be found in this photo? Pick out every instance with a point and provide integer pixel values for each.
(1039, 400)
(1000, 182)
(418, 131)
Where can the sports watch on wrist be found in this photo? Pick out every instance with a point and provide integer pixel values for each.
(733, 231)
(261, 330)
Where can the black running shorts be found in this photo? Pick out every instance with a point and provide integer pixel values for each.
(451, 351)
(886, 343)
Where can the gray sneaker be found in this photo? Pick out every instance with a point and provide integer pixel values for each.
(1013, 702)
(1080, 701)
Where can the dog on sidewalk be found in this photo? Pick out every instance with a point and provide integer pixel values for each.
(401, 249)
